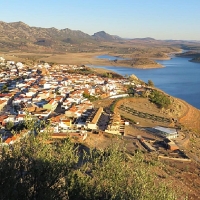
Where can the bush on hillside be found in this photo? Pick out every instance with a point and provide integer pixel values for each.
(160, 99)
(150, 83)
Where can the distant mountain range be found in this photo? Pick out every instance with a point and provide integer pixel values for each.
(147, 39)
(21, 36)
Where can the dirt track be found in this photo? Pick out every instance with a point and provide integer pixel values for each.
(191, 117)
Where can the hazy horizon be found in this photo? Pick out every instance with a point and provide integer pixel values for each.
(171, 20)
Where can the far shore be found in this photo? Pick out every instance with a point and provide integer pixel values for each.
(85, 58)
(194, 61)
(164, 58)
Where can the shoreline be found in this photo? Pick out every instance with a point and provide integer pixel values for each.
(194, 103)
(128, 66)
(89, 58)
(194, 61)
(166, 58)
(174, 97)
(119, 64)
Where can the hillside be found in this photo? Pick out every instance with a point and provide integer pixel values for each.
(18, 35)
(141, 114)
(102, 35)
(189, 54)
(190, 118)
(195, 55)
(66, 46)
(186, 116)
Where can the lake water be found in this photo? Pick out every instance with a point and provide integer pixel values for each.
(179, 77)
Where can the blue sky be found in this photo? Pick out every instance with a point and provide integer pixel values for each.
(171, 19)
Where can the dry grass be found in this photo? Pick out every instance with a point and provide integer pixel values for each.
(65, 58)
(73, 58)
(142, 105)
(191, 118)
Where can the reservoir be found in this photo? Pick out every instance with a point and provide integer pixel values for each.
(179, 78)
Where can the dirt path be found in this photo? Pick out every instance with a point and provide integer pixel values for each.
(191, 117)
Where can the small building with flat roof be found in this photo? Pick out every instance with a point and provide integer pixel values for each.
(164, 132)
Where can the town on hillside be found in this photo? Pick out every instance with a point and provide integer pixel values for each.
(70, 98)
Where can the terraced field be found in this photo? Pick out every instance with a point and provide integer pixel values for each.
(142, 111)
(141, 108)
(144, 114)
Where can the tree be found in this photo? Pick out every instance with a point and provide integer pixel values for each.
(34, 169)
(130, 89)
(9, 125)
(126, 76)
(160, 99)
(150, 83)
(90, 97)
(110, 75)
(4, 88)
(39, 168)
(133, 77)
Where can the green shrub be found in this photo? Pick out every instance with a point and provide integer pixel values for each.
(150, 83)
(160, 99)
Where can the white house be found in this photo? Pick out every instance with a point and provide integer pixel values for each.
(10, 62)
(19, 65)
(47, 85)
(2, 59)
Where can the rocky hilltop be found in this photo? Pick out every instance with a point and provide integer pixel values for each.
(102, 35)
(18, 35)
